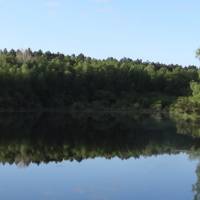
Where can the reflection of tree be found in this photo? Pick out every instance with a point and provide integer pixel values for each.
(189, 128)
(195, 155)
(187, 124)
(37, 138)
(196, 187)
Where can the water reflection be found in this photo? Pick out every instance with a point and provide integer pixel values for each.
(46, 137)
(40, 138)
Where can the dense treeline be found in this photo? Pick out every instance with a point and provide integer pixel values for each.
(36, 80)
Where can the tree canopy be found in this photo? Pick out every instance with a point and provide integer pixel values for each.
(36, 79)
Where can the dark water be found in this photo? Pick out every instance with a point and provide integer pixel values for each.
(98, 156)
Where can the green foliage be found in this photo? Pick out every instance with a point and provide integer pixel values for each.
(45, 80)
(195, 89)
(188, 107)
(198, 53)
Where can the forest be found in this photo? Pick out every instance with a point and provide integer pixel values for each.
(37, 80)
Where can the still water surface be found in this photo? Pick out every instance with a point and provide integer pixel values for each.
(97, 157)
(162, 177)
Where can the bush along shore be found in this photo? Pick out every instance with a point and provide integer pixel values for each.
(36, 80)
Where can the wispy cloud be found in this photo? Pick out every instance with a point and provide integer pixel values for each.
(101, 1)
(103, 6)
(52, 4)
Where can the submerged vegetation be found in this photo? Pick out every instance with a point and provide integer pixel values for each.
(37, 80)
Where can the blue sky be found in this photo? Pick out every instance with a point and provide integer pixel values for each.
(155, 30)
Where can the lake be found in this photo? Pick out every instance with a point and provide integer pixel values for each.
(98, 156)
